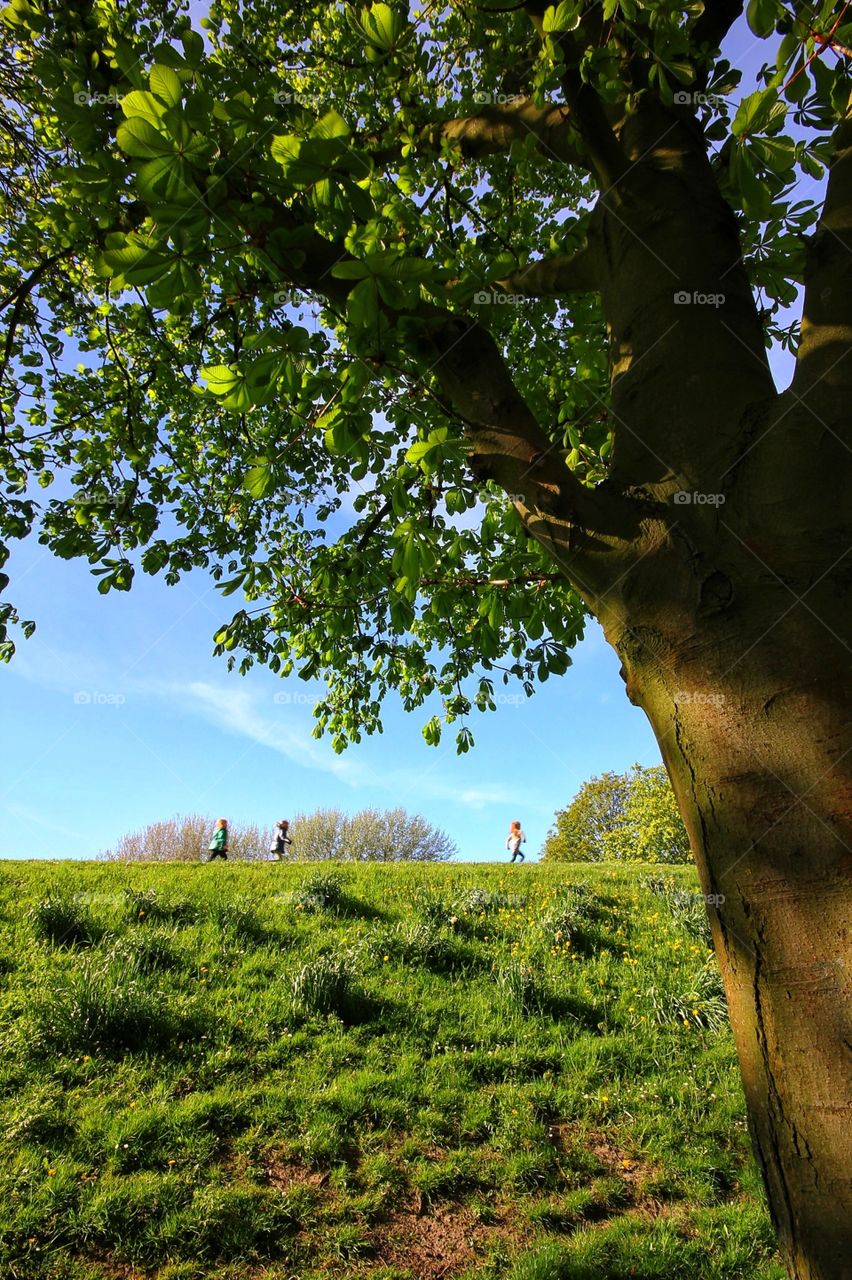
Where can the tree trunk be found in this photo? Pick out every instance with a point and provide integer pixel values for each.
(754, 719)
(717, 557)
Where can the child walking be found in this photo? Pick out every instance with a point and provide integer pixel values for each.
(282, 841)
(218, 846)
(515, 840)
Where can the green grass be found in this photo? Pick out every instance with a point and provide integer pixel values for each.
(393, 1072)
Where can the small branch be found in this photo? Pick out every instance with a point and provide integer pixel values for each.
(26, 286)
(373, 523)
(21, 294)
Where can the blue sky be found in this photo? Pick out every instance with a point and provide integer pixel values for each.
(117, 715)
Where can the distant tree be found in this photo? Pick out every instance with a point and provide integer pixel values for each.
(184, 838)
(580, 831)
(651, 828)
(390, 835)
(621, 817)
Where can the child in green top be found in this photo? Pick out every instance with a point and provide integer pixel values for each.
(218, 846)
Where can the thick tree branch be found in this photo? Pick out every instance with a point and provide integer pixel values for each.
(508, 446)
(493, 130)
(607, 157)
(824, 364)
(553, 277)
(506, 443)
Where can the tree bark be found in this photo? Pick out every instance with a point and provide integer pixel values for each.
(728, 608)
(753, 714)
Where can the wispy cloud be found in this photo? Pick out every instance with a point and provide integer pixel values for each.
(244, 712)
(37, 820)
(277, 721)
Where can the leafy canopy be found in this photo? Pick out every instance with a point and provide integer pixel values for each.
(621, 817)
(227, 252)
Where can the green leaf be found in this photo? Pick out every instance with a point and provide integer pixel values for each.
(193, 47)
(382, 26)
(144, 106)
(563, 17)
(137, 137)
(258, 480)
(167, 178)
(331, 125)
(350, 271)
(228, 385)
(362, 305)
(134, 260)
(165, 83)
(762, 15)
(756, 112)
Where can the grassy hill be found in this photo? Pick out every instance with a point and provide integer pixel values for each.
(394, 1072)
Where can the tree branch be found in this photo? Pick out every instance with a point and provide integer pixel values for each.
(607, 157)
(824, 362)
(493, 130)
(553, 277)
(507, 445)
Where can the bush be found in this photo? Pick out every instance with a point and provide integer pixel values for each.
(237, 920)
(108, 1005)
(701, 1004)
(687, 908)
(146, 906)
(629, 817)
(323, 891)
(518, 984)
(150, 952)
(322, 986)
(185, 838)
(326, 835)
(63, 922)
(373, 835)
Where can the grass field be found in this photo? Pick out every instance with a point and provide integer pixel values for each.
(295, 1072)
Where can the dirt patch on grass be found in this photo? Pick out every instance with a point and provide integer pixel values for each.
(615, 1160)
(109, 1268)
(434, 1242)
(284, 1174)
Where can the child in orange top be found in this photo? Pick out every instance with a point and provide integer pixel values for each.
(515, 840)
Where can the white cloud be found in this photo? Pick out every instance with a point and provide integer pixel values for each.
(243, 712)
(37, 820)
